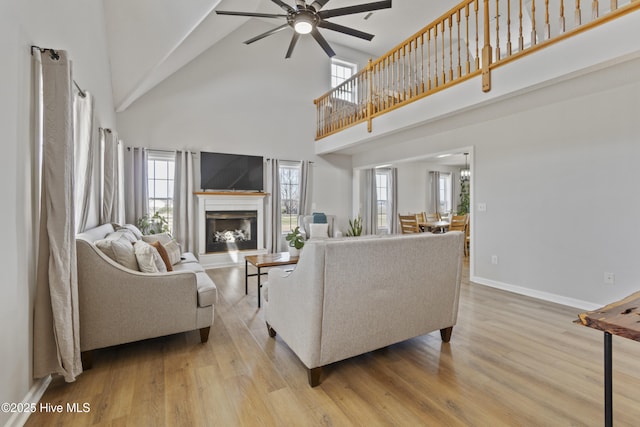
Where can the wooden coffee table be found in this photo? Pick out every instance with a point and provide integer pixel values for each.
(263, 261)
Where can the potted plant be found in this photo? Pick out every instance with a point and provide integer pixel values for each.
(152, 224)
(355, 227)
(296, 241)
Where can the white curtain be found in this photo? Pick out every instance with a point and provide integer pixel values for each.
(274, 214)
(56, 339)
(393, 203)
(369, 201)
(84, 154)
(305, 188)
(184, 217)
(137, 188)
(112, 180)
(434, 200)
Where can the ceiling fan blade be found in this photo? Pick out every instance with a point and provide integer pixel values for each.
(292, 45)
(322, 42)
(251, 14)
(345, 30)
(368, 7)
(284, 6)
(268, 33)
(319, 4)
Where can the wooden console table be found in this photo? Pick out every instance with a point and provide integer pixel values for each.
(262, 261)
(619, 318)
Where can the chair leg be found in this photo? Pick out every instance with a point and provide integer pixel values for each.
(204, 334)
(313, 375)
(87, 359)
(445, 334)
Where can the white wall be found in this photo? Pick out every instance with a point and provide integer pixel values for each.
(555, 168)
(244, 99)
(78, 27)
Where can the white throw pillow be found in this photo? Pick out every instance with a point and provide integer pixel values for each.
(133, 229)
(174, 252)
(149, 260)
(119, 249)
(163, 238)
(318, 231)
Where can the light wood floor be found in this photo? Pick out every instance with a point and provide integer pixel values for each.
(512, 361)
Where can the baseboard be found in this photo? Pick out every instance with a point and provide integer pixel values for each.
(545, 296)
(18, 419)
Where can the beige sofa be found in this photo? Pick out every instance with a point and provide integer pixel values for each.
(353, 295)
(120, 305)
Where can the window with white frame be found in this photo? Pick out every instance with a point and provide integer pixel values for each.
(445, 188)
(160, 176)
(383, 196)
(342, 71)
(289, 195)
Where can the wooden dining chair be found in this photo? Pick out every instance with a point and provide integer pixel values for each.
(433, 217)
(409, 224)
(459, 223)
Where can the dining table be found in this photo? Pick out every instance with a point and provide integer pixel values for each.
(441, 226)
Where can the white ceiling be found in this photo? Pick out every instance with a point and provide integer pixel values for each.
(151, 39)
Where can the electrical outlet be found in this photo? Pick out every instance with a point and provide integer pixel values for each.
(494, 259)
(609, 278)
(482, 207)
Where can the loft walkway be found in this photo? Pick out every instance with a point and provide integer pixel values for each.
(470, 40)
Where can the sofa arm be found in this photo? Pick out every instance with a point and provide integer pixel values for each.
(118, 305)
(294, 307)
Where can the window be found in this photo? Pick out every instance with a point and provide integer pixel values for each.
(445, 192)
(383, 196)
(160, 175)
(342, 71)
(289, 195)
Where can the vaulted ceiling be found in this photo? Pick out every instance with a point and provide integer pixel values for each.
(151, 39)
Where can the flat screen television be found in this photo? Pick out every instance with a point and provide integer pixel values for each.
(231, 172)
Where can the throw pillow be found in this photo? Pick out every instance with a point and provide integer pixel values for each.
(174, 251)
(163, 254)
(149, 259)
(319, 218)
(163, 238)
(120, 250)
(318, 231)
(132, 228)
(122, 232)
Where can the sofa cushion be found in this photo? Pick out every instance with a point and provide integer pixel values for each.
(187, 257)
(163, 238)
(119, 249)
(173, 250)
(163, 254)
(188, 266)
(207, 291)
(133, 229)
(149, 260)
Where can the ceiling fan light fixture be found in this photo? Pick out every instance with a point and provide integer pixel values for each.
(303, 23)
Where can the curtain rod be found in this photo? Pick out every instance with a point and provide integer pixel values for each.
(54, 55)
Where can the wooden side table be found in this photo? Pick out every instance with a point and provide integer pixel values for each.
(620, 318)
(262, 261)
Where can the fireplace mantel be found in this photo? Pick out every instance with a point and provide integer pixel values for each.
(228, 201)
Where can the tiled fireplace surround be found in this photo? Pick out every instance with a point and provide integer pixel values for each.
(229, 208)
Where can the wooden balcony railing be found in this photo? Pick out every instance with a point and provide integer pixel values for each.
(469, 40)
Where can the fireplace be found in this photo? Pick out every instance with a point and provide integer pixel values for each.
(231, 230)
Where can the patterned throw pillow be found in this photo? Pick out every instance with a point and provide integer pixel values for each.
(174, 251)
(149, 259)
(119, 249)
(163, 238)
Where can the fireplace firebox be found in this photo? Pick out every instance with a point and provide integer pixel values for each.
(231, 230)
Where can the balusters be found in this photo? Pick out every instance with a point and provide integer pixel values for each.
(594, 9)
(534, 36)
(429, 59)
(497, 31)
(466, 17)
(520, 36)
(422, 63)
(578, 17)
(547, 27)
(435, 55)
(508, 27)
(614, 5)
(477, 35)
(562, 21)
(459, 57)
(444, 75)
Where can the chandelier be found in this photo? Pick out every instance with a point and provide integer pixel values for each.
(465, 173)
